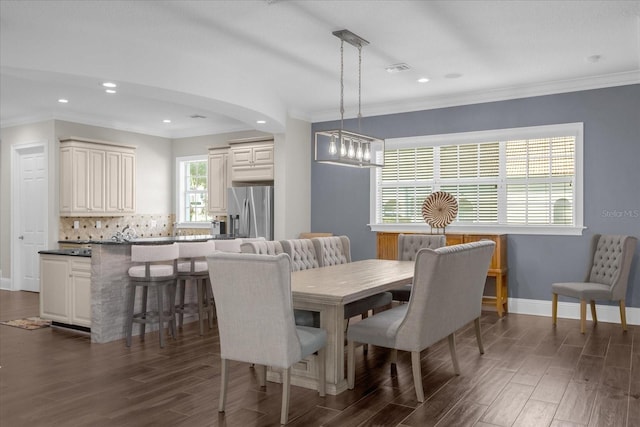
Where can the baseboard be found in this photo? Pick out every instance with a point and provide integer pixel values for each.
(5, 284)
(571, 310)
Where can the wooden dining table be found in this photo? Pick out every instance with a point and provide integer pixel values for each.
(327, 290)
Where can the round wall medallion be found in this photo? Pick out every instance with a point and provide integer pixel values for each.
(439, 209)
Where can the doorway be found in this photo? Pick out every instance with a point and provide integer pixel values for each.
(29, 224)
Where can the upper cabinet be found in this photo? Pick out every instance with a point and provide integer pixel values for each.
(251, 160)
(219, 180)
(96, 178)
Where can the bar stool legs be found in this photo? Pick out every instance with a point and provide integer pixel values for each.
(160, 315)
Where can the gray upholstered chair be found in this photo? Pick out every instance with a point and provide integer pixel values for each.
(303, 257)
(336, 250)
(264, 247)
(155, 267)
(408, 247)
(192, 268)
(447, 294)
(255, 319)
(606, 279)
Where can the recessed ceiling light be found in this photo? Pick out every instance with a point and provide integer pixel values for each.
(109, 84)
(594, 58)
(166, 121)
(63, 101)
(198, 116)
(110, 91)
(423, 80)
(261, 122)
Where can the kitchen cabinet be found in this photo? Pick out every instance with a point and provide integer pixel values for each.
(251, 160)
(65, 289)
(387, 248)
(96, 178)
(219, 180)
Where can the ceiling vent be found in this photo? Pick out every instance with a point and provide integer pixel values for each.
(396, 68)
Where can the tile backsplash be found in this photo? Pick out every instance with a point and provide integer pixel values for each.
(145, 226)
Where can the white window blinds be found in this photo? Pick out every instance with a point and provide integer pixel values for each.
(516, 177)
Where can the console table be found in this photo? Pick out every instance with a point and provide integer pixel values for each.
(387, 248)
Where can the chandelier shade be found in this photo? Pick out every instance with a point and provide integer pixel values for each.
(340, 146)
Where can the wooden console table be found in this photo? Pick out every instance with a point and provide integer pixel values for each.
(387, 248)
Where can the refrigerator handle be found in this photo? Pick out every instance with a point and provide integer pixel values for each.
(245, 218)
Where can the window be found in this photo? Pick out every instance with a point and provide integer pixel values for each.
(523, 180)
(192, 193)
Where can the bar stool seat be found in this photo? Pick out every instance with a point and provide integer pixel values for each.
(193, 268)
(156, 269)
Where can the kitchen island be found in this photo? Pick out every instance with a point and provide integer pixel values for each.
(110, 262)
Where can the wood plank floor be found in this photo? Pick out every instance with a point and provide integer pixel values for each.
(531, 375)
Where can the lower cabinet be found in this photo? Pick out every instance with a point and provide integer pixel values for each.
(65, 289)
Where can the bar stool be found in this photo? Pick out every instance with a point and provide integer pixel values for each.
(193, 268)
(157, 270)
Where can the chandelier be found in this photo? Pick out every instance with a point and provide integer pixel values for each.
(340, 146)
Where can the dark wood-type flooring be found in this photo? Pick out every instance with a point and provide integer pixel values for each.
(531, 375)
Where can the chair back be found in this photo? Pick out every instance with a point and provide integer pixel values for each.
(229, 245)
(268, 247)
(332, 250)
(154, 261)
(302, 253)
(410, 244)
(192, 256)
(255, 308)
(447, 293)
(611, 262)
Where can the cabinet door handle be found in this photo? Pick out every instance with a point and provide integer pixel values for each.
(20, 237)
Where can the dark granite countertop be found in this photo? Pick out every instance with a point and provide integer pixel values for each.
(81, 252)
(153, 240)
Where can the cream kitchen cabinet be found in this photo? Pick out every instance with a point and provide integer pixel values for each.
(219, 180)
(65, 289)
(251, 160)
(96, 178)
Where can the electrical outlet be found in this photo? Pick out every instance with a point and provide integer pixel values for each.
(76, 225)
(98, 224)
(153, 223)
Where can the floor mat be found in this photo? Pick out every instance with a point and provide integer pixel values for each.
(29, 323)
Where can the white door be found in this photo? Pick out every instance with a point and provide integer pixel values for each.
(29, 219)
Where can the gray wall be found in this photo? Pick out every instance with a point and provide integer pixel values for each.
(611, 117)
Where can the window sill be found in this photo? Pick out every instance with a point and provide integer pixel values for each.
(480, 229)
(193, 225)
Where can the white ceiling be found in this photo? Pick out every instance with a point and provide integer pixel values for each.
(236, 62)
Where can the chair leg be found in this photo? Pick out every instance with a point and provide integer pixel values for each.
(365, 347)
(130, 309)
(593, 312)
(172, 310)
(623, 315)
(286, 386)
(224, 382)
(208, 294)
(394, 356)
(322, 372)
(417, 375)
(262, 375)
(143, 326)
(554, 309)
(454, 356)
(479, 335)
(160, 299)
(181, 313)
(200, 297)
(351, 364)
(583, 315)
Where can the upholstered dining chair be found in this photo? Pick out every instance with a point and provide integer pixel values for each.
(607, 278)
(447, 294)
(303, 257)
(408, 247)
(336, 250)
(264, 247)
(255, 319)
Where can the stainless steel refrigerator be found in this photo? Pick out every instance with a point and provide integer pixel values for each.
(250, 210)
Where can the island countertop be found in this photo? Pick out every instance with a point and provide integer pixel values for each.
(153, 240)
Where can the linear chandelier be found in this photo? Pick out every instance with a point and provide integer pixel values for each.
(340, 146)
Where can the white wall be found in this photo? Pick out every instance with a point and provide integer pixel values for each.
(292, 180)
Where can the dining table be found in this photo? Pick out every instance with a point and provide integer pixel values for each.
(326, 290)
